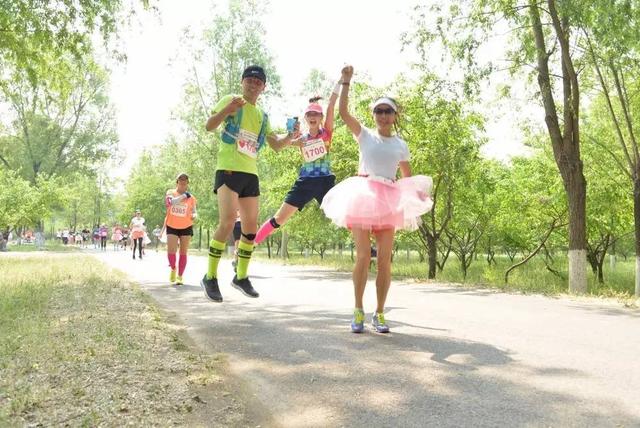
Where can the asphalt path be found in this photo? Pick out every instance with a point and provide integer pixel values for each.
(455, 356)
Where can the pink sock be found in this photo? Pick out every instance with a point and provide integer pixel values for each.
(264, 231)
(172, 260)
(182, 263)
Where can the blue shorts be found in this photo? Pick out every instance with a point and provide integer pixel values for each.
(307, 188)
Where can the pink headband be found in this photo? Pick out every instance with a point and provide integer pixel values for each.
(313, 107)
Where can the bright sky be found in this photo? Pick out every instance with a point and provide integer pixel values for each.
(364, 33)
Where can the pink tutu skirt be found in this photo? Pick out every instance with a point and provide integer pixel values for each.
(375, 203)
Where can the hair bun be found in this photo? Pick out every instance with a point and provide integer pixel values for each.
(315, 99)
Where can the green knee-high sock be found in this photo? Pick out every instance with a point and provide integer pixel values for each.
(244, 257)
(215, 252)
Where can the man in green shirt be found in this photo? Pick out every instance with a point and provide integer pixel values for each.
(246, 129)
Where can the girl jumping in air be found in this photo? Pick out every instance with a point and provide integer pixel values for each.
(315, 178)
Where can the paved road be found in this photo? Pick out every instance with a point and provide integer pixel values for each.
(455, 357)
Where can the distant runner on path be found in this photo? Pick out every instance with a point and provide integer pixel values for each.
(181, 211)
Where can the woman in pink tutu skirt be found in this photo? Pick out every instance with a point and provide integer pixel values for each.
(374, 201)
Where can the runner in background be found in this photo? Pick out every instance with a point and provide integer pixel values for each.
(103, 237)
(156, 235)
(136, 226)
(116, 237)
(181, 211)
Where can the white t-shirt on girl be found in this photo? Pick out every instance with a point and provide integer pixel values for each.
(137, 224)
(380, 156)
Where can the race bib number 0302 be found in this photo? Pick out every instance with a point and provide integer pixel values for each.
(313, 150)
(247, 143)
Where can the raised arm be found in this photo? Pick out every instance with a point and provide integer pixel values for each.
(351, 122)
(218, 117)
(331, 107)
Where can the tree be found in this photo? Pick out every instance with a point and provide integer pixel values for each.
(147, 185)
(23, 204)
(56, 28)
(612, 41)
(532, 207)
(61, 124)
(610, 197)
(538, 30)
(444, 143)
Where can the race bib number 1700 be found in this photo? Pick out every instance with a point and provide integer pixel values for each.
(313, 150)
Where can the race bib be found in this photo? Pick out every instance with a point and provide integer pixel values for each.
(247, 143)
(313, 149)
(179, 210)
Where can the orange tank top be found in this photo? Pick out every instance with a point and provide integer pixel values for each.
(179, 214)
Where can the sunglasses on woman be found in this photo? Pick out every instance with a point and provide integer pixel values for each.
(383, 111)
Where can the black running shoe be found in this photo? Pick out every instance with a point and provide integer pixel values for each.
(211, 289)
(245, 286)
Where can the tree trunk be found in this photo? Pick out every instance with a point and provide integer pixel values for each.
(592, 258)
(600, 273)
(577, 193)
(565, 142)
(433, 256)
(636, 220)
(268, 242)
(463, 265)
(283, 253)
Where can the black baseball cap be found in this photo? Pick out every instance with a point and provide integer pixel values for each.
(255, 71)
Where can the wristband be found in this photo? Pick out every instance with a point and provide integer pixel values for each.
(336, 88)
(344, 83)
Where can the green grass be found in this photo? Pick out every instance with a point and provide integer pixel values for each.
(81, 346)
(532, 277)
(53, 246)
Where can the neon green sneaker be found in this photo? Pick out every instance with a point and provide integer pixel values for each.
(172, 276)
(379, 323)
(179, 280)
(357, 323)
